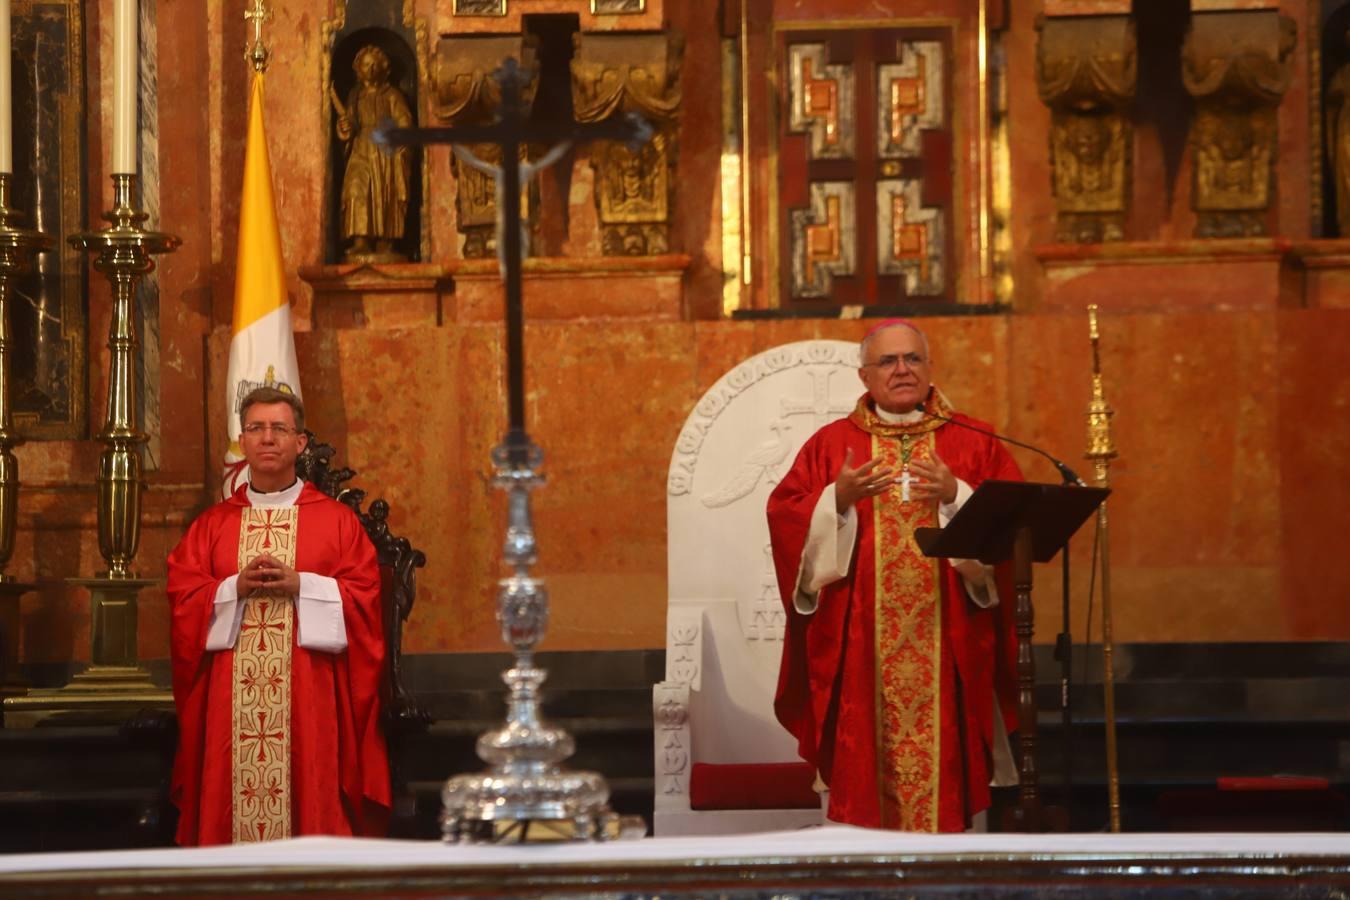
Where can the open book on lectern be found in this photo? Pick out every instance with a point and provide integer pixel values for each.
(988, 523)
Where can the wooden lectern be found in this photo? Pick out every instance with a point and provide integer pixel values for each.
(1026, 522)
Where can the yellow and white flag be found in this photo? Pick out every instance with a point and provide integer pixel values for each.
(262, 347)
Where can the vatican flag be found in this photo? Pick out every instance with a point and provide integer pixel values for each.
(262, 347)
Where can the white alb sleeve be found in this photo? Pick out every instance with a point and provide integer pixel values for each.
(977, 577)
(318, 612)
(226, 613)
(828, 552)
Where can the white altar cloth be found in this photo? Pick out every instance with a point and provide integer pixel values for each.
(831, 842)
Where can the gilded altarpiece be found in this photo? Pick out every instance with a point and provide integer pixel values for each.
(466, 94)
(634, 186)
(865, 166)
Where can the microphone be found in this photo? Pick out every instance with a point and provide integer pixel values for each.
(1069, 476)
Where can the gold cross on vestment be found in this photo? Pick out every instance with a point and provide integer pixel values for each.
(270, 528)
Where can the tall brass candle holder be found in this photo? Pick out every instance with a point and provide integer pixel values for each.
(18, 247)
(1101, 450)
(114, 685)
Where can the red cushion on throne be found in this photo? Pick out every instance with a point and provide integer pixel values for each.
(752, 786)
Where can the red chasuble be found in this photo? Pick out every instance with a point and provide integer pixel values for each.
(274, 739)
(889, 686)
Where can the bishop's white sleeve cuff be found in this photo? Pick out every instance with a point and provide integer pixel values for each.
(318, 612)
(977, 577)
(226, 614)
(948, 511)
(828, 552)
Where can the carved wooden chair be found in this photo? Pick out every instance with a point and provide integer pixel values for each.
(399, 562)
(723, 762)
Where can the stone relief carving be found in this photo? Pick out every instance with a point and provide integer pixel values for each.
(1086, 71)
(715, 401)
(465, 93)
(765, 619)
(1237, 66)
(613, 73)
(670, 699)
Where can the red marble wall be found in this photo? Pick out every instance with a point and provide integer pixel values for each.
(1230, 407)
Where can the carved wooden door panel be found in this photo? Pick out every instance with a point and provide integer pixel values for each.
(865, 185)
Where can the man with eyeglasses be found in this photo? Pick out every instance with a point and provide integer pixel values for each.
(278, 654)
(898, 675)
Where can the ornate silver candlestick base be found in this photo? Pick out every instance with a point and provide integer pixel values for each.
(525, 783)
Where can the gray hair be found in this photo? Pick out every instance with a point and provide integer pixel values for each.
(862, 345)
(272, 395)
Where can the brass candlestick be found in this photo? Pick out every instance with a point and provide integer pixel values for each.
(114, 685)
(18, 247)
(1101, 450)
(124, 256)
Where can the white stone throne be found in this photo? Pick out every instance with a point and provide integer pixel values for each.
(724, 625)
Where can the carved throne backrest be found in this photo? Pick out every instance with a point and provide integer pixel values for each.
(725, 621)
(399, 561)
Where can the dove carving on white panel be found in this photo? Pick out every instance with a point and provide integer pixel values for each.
(767, 457)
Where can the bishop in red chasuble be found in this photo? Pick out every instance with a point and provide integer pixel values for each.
(898, 674)
(278, 655)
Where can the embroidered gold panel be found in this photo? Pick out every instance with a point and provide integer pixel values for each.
(908, 644)
(261, 729)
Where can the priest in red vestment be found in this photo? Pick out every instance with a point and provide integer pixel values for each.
(898, 674)
(278, 654)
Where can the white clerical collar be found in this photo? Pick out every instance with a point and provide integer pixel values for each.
(276, 498)
(909, 418)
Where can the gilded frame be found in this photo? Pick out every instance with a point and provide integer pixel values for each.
(480, 8)
(618, 7)
(48, 357)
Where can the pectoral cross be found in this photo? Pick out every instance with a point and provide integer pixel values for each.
(906, 451)
(511, 131)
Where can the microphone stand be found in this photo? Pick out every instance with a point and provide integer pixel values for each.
(1064, 640)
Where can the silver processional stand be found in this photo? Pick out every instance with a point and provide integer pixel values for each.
(526, 782)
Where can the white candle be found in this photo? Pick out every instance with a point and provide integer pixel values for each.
(6, 118)
(126, 82)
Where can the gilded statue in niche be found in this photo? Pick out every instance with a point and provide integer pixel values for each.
(1087, 72)
(376, 180)
(1338, 141)
(633, 193)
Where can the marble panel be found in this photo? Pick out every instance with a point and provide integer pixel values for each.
(1314, 473)
(1176, 275)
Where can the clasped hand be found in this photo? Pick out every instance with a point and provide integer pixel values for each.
(930, 480)
(269, 574)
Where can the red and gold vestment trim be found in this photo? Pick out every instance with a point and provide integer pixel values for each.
(261, 730)
(908, 638)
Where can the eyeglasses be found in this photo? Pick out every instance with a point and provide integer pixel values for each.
(889, 362)
(257, 428)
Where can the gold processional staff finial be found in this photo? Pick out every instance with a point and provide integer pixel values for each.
(257, 54)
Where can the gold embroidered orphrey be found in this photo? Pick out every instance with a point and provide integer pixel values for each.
(908, 626)
(260, 735)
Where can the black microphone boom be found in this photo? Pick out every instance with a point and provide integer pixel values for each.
(1069, 476)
